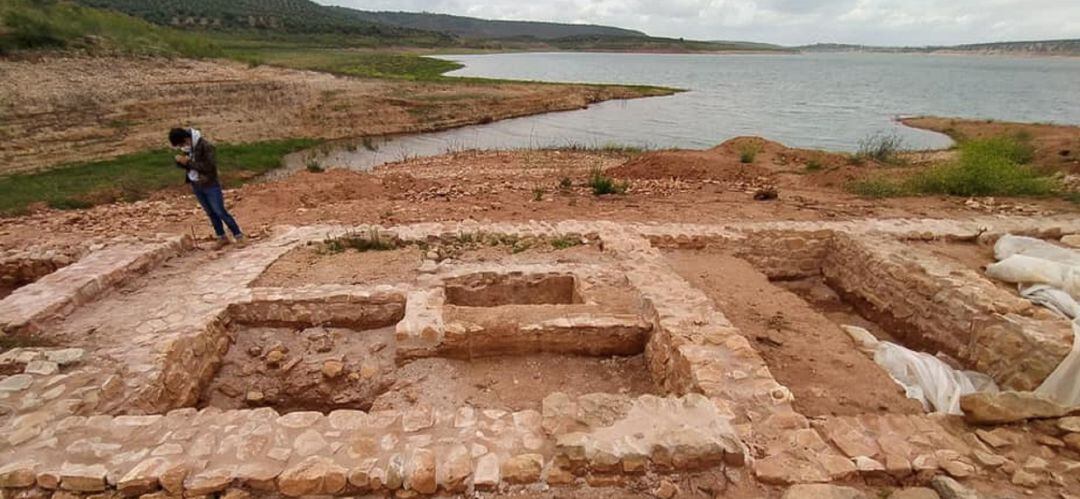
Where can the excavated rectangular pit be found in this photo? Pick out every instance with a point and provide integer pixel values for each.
(325, 369)
(803, 347)
(18, 272)
(490, 289)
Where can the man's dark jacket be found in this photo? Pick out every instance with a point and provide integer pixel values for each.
(204, 162)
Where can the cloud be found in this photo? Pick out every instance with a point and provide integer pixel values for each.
(877, 22)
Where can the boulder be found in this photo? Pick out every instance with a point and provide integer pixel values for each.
(1009, 407)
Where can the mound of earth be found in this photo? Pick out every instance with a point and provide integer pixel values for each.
(765, 159)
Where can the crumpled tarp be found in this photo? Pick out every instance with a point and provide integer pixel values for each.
(928, 379)
(1048, 275)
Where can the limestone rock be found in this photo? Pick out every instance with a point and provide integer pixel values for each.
(65, 356)
(666, 490)
(315, 475)
(487, 472)
(18, 474)
(1029, 479)
(16, 383)
(455, 469)
(822, 491)
(332, 369)
(420, 472)
(914, 493)
(42, 368)
(524, 468)
(142, 479)
(1071, 240)
(949, 488)
(82, 478)
(1009, 407)
(1072, 441)
(1070, 424)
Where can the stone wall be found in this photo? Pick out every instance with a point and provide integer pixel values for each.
(935, 305)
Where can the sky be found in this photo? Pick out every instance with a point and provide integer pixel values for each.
(788, 22)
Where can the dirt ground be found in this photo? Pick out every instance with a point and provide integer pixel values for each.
(804, 349)
(56, 110)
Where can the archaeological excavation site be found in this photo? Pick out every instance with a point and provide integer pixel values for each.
(561, 359)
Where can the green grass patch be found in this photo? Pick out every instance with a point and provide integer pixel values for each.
(133, 176)
(984, 167)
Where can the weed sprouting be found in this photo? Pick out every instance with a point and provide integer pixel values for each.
(882, 147)
(373, 240)
(748, 153)
(602, 184)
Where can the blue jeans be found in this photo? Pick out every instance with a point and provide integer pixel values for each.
(213, 203)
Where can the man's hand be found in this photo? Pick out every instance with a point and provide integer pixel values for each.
(183, 159)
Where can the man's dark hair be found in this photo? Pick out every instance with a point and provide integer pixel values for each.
(177, 136)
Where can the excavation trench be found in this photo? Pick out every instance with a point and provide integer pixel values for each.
(526, 338)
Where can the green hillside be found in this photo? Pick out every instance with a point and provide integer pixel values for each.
(44, 24)
(470, 27)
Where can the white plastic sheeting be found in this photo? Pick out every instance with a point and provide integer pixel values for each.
(1063, 385)
(1010, 245)
(1048, 275)
(924, 377)
(1053, 299)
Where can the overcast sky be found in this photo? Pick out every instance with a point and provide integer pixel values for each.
(792, 22)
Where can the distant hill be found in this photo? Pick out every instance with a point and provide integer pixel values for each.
(305, 16)
(292, 16)
(1039, 47)
(470, 27)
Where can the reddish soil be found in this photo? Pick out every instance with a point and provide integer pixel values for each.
(314, 265)
(512, 383)
(805, 351)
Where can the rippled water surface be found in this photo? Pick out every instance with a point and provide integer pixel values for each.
(828, 101)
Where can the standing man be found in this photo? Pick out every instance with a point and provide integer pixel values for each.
(197, 159)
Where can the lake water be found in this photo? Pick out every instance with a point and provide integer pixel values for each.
(827, 101)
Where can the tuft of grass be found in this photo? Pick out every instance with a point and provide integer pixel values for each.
(748, 153)
(602, 184)
(565, 242)
(814, 165)
(565, 184)
(984, 167)
(538, 194)
(130, 177)
(881, 147)
(373, 240)
(313, 166)
(877, 188)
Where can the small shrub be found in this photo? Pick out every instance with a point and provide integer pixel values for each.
(602, 184)
(565, 242)
(538, 194)
(313, 166)
(882, 147)
(748, 153)
(814, 165)
(565, 183)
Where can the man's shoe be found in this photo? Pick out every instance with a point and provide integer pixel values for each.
(221, 243)
(240, 241)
